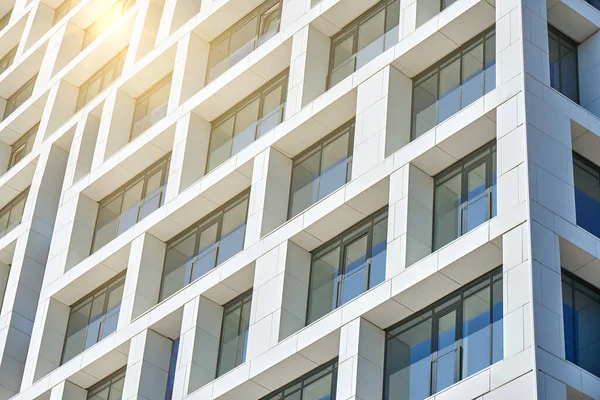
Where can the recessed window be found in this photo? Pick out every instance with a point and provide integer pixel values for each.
(581, 308)
(247, 121)
(93, 318)
(455, 338)
(63, 9)
(110, 388)
(454, 83)
(464, 196)
(5, 19)
(172, 369)
(234, 333)
(243, 38)
(318, 384)
(363, 39)
(208, 243)
(22, 146)
(110, 16)
(19, 97)
(101, 79)
(586, 177)
(564, 75)
(322, 169)
(131, 203)
(12, 213)
(151, 107)
(8, 59)
(347, 266)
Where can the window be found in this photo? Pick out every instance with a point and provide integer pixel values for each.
(110, 388)
(234, 333)
(19, 97)
(5, 20)
(322, 169)
(63, 9)
(131, 203)
(109, 17)
(464, 196)
(172, 369)
(347, 266)
(587, 194)
(93, 318)
(581, 310)
(206, 244)
(594, 3)
(150, 107)
(318, 384)
(239, 41)
(564, 75)
(22, 146)
(455, 338)
(363, 39)
(12, 213)
(101, 79)
(454, 83)
(8, 59)
(247, 121)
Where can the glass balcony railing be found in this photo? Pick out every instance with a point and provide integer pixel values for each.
(151, 107)
(146, 122)
(364, 39)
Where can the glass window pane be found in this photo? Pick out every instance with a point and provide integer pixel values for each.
(245, 126)
(378, 251)
(116, 390)
(243, 41)
(447, 211)
(107, 222)
(354, 281)
(113, 307)
(477, 208)
(554, 63)
(16, 213)
(371, 39)
(318, 390)
(207, 250)
(449, 103)
(96, 317)
(232, 232)
(76, 331)
(221, 142)
(490, 63)
(131, 203)
(425, 105)
(218, 59)
(587, 317)
(408, 363)
(334, 165)
(343, 60)
(497, 322)
(305, 184)
(269, 24)
(101, 395)
(569, 80)
(446, 364)
(178, 266)
(476, 332)
(229, 341)
(472, 75)
(323, 284)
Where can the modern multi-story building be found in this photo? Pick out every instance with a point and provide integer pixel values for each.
(299, 199)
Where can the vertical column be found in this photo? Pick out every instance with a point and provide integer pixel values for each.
(39, 21)
(115, 133)
(280, 297)
(67, 391)
(361, 359)
(189, 70)
(410, 229)
(190, 152)
(28, 265)
(269, 196)
(292, 10)
(147, 366)
(60, 106)
(144, 274)
(199, 345)
(146, 29)
(308, 69)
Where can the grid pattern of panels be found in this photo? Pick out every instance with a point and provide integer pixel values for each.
(299, 199)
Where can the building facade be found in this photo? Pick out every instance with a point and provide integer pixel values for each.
(299, 199)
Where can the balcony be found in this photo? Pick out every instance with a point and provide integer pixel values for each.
(131, 203)
(361, 41)
(464, 196)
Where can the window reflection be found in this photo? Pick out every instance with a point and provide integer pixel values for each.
(19, 97)
(12, 213)
(347, 266)
(234, 333)
(318, 384)
(151, 107)
(451, 340)
(101, 79)
(22, 146)
(464, 196)
(454, 83)
(587, 194)
(208, 243)
(110, 388)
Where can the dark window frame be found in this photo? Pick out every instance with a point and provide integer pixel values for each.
(165, 80)
(564, 40)
(216, 214)
(142, 176)
(256, 12)
(13, 97)
(333, 364)
(346, 127)
(106, 382)
(280, 80)
(103, 288)
(448, 174)
(23, 140)
(117, 61)
(352, 29)
(435, 69)
(242, 299)
(354, 233)
(9, 207)
(5, 19)
(8, 59)
(441, 307)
